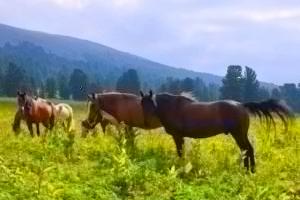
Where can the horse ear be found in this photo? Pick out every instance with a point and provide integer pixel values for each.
(21, 94)
(92, 96)
(142, 94)
(150, 93)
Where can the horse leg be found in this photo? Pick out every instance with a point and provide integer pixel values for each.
(65, 127)
(104, 123)
(69, 124)
(51, 122)
(38, 129)
(179, 142)
(245, 146)
(29, 125)
(47, 126)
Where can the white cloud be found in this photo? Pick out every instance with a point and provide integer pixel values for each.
(269, 15)
(71, 4)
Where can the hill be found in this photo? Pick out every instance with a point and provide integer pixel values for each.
(43, 54)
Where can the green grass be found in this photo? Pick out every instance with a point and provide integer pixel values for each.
(58, 166)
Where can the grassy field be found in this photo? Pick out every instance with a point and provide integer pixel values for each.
(61, 166)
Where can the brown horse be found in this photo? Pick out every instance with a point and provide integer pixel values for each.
(114, 107)
(184, 117)
(34, 111)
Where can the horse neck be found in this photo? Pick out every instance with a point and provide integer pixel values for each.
(168, 103)
(108, 102)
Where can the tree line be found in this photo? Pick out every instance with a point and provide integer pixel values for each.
(75, 86)
(243, 86)
(238, 84)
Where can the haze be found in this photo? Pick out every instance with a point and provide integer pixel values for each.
(204, 36)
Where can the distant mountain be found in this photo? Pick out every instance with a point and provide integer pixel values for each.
(44, 55)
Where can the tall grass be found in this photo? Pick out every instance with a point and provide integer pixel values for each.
(62, 166)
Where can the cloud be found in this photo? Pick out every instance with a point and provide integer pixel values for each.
(269, 15)
(71, 4)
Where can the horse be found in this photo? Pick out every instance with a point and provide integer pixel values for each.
(114, 108)
(34, 111)
(64, 115)
(184, 117)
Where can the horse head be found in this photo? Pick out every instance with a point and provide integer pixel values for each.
(25, 102)
(94, 114)
(149, 106)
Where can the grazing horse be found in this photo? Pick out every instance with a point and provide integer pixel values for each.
(34, 111)
(64, 115)
(114, 107)
(184, 117)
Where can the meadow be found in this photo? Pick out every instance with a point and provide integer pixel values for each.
(107, 166)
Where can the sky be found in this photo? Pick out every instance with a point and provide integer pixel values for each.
(201, 35)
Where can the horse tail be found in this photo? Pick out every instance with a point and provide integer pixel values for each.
(267, 109)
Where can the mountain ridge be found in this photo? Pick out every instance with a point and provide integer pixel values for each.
(100, 57)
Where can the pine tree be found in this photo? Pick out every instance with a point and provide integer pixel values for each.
(232, 83)
(63, 87)
(200, 90)
(250, 85)
(13, 79)
(276, 93)
(129, 82)
(263, 94)
(50, 87)
(1, 82)
(78, 84)
(187, 85)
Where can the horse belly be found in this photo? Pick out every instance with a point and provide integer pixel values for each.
(203, 128)
(43, 115)
(203, 133)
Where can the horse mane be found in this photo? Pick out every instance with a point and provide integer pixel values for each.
(185, 98)
(188, 95)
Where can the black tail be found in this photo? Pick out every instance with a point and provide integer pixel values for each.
(267, 109)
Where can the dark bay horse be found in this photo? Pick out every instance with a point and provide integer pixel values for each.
(114, 107)
(34, 111)
(184, 117)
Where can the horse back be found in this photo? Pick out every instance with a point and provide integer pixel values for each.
(41, 111)
(205, 118)
(124, 107)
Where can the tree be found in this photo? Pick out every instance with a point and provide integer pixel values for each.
(232, 83)
(291, 95)
(213, 92)
(263, 94)
(50, 87)
(129, 82)
(94, 88)
(63, 87)
(78, 84)
(13, 79)
(33, 86)
(1, 82)
(200, 90)
(275, 94)
(250, 85)
(41, 91)
(187, 85)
